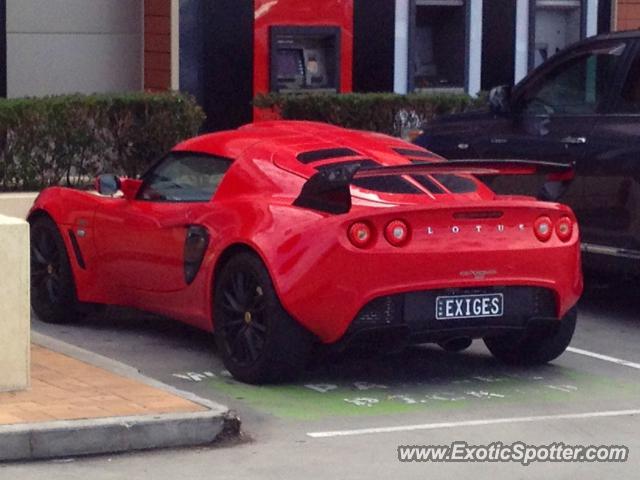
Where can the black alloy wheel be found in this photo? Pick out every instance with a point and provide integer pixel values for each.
(245, 325)
(536, 345)
(53, 294)
(258, 340)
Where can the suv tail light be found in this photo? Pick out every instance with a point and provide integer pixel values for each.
(397, 233)
(360, 234)
(543, 228)
(564, 229)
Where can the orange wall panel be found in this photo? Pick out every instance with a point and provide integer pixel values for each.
(157, 44)
(628, 14)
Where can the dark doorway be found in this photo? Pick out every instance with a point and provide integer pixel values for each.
(373, 54)
(216, 63)
(605, 14)
(498, 43)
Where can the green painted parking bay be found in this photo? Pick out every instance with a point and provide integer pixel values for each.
(430, 380)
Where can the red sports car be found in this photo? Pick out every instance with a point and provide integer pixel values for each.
(282, 236)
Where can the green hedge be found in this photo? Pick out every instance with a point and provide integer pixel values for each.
(381, 112)
(67, 140)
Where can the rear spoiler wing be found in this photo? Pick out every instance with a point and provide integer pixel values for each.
(329, 190)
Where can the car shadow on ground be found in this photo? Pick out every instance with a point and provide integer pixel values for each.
(415, 364)
(424, 363)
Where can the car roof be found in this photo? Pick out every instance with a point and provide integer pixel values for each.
(622, 35)
(300, 147)
(617, 35)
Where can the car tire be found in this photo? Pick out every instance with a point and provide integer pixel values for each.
(258, 340)
(53, 289)
(536, 345)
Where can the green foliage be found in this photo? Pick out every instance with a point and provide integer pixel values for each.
(381, 112)
(67, 140)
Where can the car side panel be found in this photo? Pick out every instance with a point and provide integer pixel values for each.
(73, 211)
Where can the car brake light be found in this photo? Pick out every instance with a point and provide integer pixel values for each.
(360, 234)
(543, 228)
(564, 229)
(397, 233)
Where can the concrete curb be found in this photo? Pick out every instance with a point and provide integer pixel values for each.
(114, 434)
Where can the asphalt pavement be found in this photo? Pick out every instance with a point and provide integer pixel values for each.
(346, 418)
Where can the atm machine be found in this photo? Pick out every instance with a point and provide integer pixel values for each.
(233, 50)
(304, 59)
(302, 47)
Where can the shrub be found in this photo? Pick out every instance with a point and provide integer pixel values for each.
(381, 112)
(69, 139)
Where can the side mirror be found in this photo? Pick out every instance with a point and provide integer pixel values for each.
(107, 184)
(130, 187)
(500, 100)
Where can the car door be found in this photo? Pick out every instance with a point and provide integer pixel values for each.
(610, 211)
(555, 111)
(141, 242)
(457, 136)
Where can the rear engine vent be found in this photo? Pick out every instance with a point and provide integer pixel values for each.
(317, 155)
(364, 163)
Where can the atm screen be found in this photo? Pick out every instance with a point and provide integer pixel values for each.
(304, 58)
(290, 64)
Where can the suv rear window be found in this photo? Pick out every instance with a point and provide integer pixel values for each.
(631, 90)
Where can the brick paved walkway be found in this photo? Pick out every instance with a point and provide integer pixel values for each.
(63, 388)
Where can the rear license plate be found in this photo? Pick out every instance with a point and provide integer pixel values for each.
(470, 306)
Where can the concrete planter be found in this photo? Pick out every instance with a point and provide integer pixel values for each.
(14, 304)
(16, 204)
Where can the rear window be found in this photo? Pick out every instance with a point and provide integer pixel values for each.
(453, 183)
(631, 90)
(390, 184)
(397, 184)
(456, 183)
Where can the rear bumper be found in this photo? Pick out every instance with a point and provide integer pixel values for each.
(411, 317)
(332, 292)
(324, 281)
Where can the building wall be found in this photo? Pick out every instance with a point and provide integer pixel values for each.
(628, 14)
(69, 46)
(157, 44)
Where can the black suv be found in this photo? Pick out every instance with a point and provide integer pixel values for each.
(582, 105)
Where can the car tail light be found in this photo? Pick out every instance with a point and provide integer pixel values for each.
(564, 229)
(543, 228)
(360, 234)
(397, 233)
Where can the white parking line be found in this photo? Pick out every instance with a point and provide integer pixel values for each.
(606, 358)
(472, 423)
